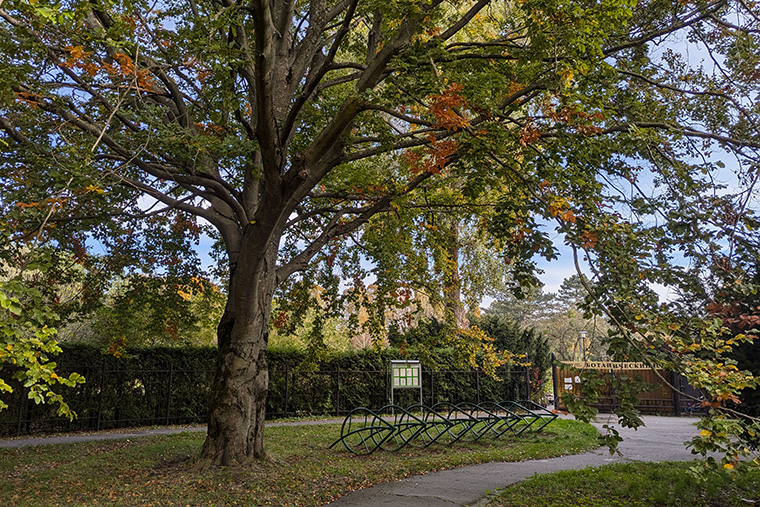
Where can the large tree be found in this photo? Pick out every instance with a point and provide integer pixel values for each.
(284, 126)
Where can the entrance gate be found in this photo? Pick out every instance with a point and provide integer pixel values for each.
(661, 399)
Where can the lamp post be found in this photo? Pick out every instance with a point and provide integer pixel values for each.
(583, 344)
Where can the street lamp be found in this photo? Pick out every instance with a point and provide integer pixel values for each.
(583, 344)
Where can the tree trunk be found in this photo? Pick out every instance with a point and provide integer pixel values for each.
(452, 290)
(238, 396)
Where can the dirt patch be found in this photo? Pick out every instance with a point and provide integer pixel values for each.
(171, 464)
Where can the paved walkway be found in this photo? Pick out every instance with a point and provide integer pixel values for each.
(662, 439)
(132, 433)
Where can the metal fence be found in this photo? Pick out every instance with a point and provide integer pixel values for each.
(116, 397)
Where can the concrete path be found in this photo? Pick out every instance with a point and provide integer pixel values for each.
(132, 433)
(662, 439)
(89, 437)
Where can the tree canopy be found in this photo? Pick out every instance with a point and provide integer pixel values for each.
(285, 129)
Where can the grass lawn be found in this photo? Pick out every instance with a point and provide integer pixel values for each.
(300, 469)
(624, 484)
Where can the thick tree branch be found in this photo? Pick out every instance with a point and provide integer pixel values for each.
(315, 76)
(392, 112)
(226, 224)
(312, 42)
(266, 125)
(324, 85)
(464, 20)
(686, 131)
(335, 229)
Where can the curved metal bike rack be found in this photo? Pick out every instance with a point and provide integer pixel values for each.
(391, 427)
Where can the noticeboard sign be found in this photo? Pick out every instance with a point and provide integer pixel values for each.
(406, 374)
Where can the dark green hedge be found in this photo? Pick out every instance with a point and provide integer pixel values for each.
(134, 390)
(162, 385)
(360, 379)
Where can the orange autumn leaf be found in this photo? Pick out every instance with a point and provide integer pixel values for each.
(568, 216)
(590, 239)
(30, 99)
(433, 159)
(25, 205)
(444, 108)
(529, 135)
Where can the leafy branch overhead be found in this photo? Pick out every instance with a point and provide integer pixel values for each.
(27, 344)
(288, 129)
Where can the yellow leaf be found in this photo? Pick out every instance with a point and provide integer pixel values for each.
(187, 296)
(705, 433)
(728, 466)
(567, 77)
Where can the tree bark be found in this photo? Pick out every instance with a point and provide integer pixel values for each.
(452, 290)
(239, 393)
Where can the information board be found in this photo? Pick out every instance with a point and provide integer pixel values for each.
(406, 375)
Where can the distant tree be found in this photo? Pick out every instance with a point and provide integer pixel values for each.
(427, 332)
(573, 333)
(510, 336)
(520, 341)
(578, 327)
(529, 309)
(309, 322)
(148, 310)
(572, 292)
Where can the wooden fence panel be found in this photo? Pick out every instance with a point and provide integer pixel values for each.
(661, 399)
